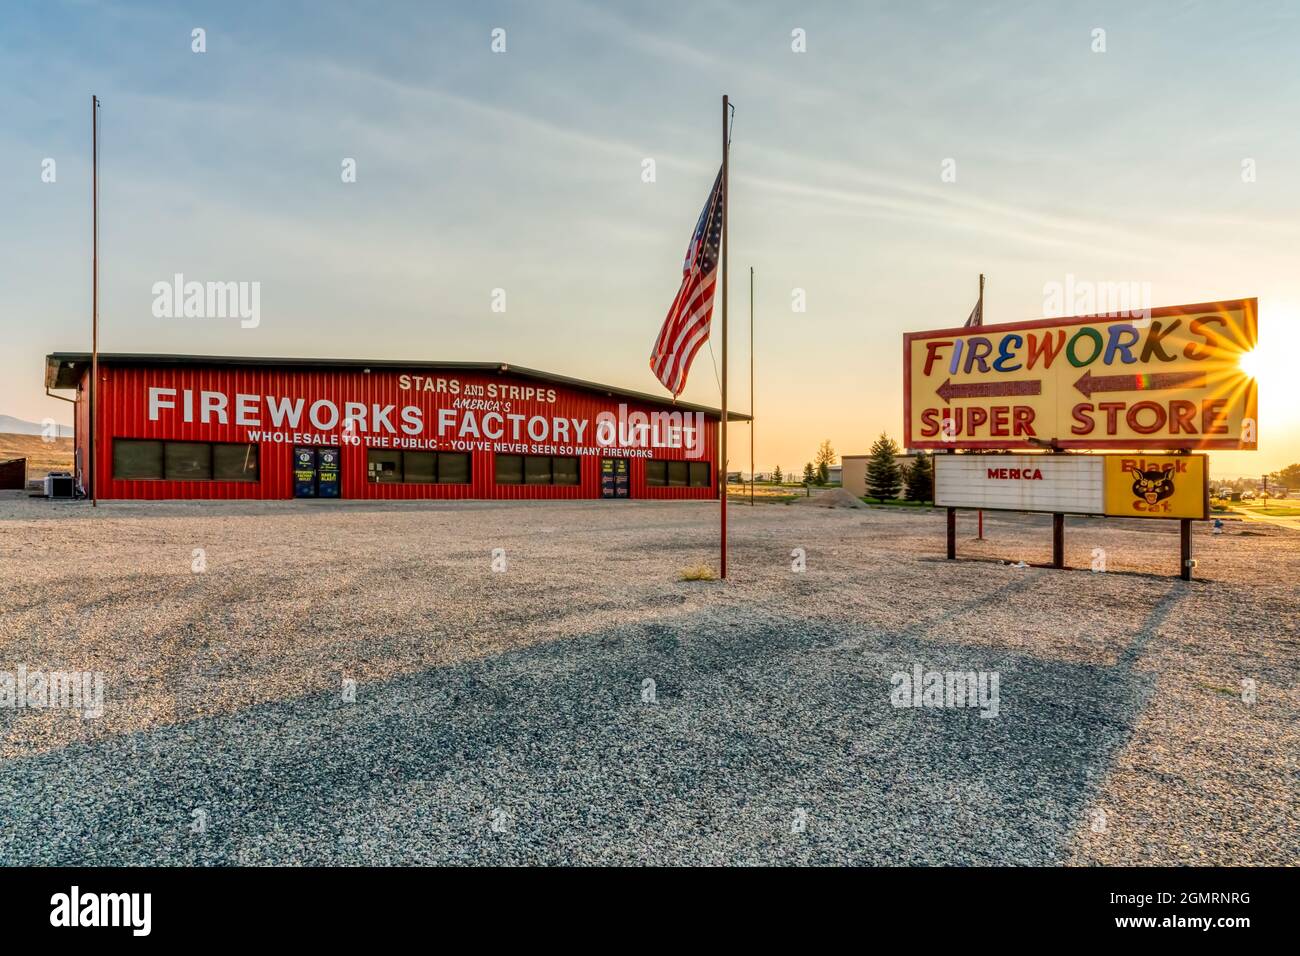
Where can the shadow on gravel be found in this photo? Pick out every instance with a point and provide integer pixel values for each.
(754, 744)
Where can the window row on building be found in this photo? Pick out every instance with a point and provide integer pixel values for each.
(536, 470)
(184, 460)
(138, 459)
(417, 467)
(677, 474)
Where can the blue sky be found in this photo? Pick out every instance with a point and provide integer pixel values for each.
(522, 171)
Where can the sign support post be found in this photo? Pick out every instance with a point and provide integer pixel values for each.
(1185, 548)
(952, 534)
(1058, 540)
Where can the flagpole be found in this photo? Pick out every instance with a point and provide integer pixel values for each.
(980, 532)
(752, 476)
(722, 425)
(94, 294)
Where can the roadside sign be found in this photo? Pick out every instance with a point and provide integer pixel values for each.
(1166, 379)
(1157, 486)
(1070, 484)
(1122, 486)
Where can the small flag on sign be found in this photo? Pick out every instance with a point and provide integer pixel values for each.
(687, 326)
(976, 314)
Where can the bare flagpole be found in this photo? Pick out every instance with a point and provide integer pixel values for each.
(980, 531)
(722, 425)
(94, 294)
(752, 476)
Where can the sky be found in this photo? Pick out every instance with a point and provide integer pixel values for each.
(523, 171)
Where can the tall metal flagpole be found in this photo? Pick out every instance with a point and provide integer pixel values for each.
(722, 425)
(94, 294)
(751, 387)
(980, 532)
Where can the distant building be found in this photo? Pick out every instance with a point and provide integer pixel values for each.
(854, 468)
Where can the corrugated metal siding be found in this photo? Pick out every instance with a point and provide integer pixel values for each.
(123, 413)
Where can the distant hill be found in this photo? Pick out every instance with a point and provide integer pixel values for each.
(41, 455)
(16, 426)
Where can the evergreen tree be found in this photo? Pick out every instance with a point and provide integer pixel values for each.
(920, 479)
(884, 477)
(777, 477)
(809, 476)
(823, 473)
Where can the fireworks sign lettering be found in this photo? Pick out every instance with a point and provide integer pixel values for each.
(1170, 380)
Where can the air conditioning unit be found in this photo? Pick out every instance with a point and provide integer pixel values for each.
(60, 484)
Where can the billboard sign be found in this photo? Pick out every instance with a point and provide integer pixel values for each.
(1126, 486)
(1168, 379)
(1069, 484)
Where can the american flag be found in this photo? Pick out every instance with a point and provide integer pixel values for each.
(687, 326)
(976, 315)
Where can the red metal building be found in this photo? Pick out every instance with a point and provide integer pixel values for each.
(185, 426)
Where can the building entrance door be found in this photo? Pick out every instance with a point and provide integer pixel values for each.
(615, 479)
(315, 472)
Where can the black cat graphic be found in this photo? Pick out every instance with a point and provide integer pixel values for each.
(1155, 485)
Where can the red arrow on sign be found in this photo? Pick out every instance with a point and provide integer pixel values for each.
(948, 391)
(1090, 383)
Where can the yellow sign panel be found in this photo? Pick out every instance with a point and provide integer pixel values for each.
(1165, 378)
(1157, 486)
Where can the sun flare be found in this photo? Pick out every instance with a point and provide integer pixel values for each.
(1271, 361)
(1252, 363)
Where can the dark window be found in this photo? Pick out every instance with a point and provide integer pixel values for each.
(656, 473)
(383, 465)
(187, 461)
(699, 474)
(234, 462)
(419, 467)
(537, 470)
(184, 460)
(566, 471)
(453, 469)
(678, 474)
(137, 459)
(510, 469)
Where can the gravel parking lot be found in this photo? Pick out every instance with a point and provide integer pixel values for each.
(584, 705)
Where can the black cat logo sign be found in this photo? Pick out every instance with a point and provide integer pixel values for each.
(1157, 486)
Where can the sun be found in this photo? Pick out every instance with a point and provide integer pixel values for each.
(1252, 363)
(1271, 361)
